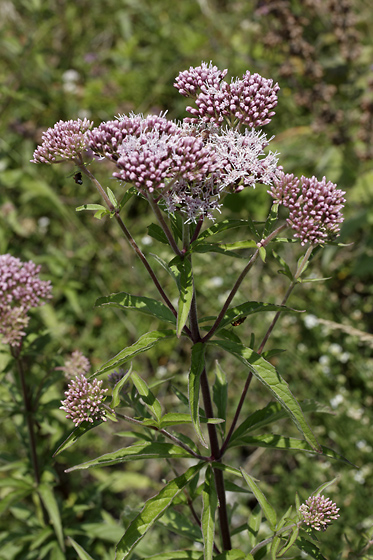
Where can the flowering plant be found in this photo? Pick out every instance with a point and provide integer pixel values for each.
(185, 171)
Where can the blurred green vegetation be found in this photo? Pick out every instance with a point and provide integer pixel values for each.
(62, 60)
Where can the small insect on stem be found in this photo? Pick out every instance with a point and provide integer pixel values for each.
(78, 178)
(238, 322)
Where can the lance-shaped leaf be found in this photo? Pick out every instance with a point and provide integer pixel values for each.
(210, 502)
(155, 231)
(310, 548)
(249, 308)
(171, 268)
(143, 304)
(267, 374)
(217, 248)
(144, 343)
(267, 508)
(82, 429)
(234, 554)
(115, 398)
(225, 225)
(152, 511)
(276, 441)
(186, 294)
(196, 368)
(253, 524)
(133, 453)
(220, 393)
(50, 503)
(272, 413)
(82, 554)
(147, 396)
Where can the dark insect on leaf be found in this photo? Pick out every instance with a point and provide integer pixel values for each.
(238, 322)
(78, 178)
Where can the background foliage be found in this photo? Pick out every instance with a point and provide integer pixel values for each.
(62, 60)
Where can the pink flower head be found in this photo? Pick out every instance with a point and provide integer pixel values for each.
(67, 140)
(76, 364)
(190, 81)
(20, 289)
(83, 400)
(314, 206)
(318, 512)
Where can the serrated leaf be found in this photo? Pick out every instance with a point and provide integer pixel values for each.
(115, 397)
(220, 393)
(146, 305)
(275, 441)
(310, 548)
(83, 555)
(147, 396)
(82, 429)
(253, 524)
(197, 366)
(267, 374)
(210, 502)
(155, 231)
(112, 198)
(267, 508)
(152, 510)
(92, 207)
(133, 453)
(50, 503)
(143, 344)
(186, 294)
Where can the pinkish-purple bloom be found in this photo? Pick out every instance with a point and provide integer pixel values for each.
(319, 512)
(20, 290)
(65, 141)
(314, 206)
(84, 400)
(76, 364)
(190, 81)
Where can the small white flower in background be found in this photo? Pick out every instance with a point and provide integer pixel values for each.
(336, 401)
(146, 240)
(335, 349)
(310, 321)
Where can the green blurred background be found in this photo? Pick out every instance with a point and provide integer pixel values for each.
(98, 59)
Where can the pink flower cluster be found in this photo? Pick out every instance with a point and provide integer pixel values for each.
(65, 141)
(84, 400)
(20, 290)
(76, 364)
(314, 206)
(248, 101)
(318, 512)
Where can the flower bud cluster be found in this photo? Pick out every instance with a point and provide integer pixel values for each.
(318, 512)
(84, 400)
(20, 290)
(248, 101)
(76, 364)
(314, 206)
(67, 140)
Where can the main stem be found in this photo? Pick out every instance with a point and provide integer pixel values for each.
(29, 416)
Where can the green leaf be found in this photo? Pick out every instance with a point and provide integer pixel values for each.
(291, 541)
(275, 545)
(92, 207)
(215, 248)
(82, 429)
(155, 231)
(152, 511)
(220, 394)
(147, 396)
(180, 524)
(197, 366)
(83, 555)
(175, 418)
(272, 413)
(268, 510)
(112, 198)
(13, 497)
(310, 548)
(267, 374)
(224, 225)
(249, 308)
(186, 294)
(210, 502)
(263, 253)
(248, 244)
(275, 441)
(115, 397)
(47, 497)
(146, 305)
(143, 344)
(177, 555)
(253, 524)
(170, 268)
(271, 220)
(127, 196)
(134, 453)
(325, 485)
